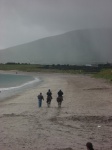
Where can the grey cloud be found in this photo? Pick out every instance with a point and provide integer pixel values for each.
(27, 20)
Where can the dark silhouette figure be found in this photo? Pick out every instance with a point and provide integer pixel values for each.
(60, 93)
(89, 146)
(60, 98)
(49, 93)
(49, 97)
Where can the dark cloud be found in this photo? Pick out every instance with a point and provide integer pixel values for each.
(27, 20)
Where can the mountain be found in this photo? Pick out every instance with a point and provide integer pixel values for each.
(74, 47)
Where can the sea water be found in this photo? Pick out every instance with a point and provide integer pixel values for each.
(11, 84)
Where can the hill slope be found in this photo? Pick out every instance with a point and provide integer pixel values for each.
(74, 47)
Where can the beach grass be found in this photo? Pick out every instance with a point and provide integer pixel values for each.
(35, 68)
(104, 73)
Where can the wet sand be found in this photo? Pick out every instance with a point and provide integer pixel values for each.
(86, 115)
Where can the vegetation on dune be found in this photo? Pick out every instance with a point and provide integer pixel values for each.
(98, 71)
(104, 73)
(36, 68)
(20, 67)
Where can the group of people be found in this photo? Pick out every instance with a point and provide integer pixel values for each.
(89, 145)
(49, 97)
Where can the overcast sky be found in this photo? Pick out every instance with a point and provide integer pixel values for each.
(23, 21)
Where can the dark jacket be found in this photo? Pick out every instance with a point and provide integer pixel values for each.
(60, 93)
(49, 93)
(40, 97)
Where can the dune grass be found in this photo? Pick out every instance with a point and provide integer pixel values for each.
(105, 73)
(34, 68)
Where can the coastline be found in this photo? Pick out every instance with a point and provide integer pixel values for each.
(17, 88)
(87, 104)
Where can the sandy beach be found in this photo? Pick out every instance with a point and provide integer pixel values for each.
(86, 115)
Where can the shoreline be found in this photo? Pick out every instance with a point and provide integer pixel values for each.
(87, 105)
(8, 92)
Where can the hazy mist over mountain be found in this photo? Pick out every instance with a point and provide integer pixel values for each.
(74, 47)
(23, 21)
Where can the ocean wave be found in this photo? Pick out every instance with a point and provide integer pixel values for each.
(23, 85)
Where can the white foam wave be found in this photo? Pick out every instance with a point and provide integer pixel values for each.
(25, 84)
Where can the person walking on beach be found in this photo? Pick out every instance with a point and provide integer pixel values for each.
(40, 98)
(89, 146)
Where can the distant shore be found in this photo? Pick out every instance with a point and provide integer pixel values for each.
(96, 70)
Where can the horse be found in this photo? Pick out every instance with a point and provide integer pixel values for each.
(49, 98)
(59, 100)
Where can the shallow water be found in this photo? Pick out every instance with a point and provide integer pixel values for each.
(10, 84)
(9, 80)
